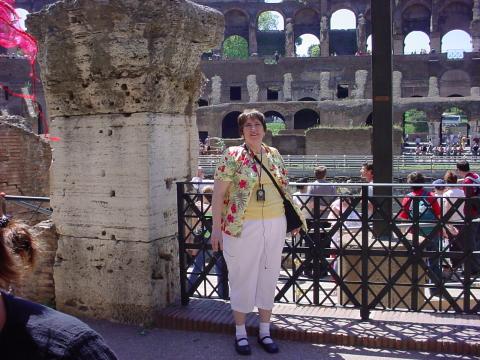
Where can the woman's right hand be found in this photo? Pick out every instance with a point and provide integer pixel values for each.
(217, 240)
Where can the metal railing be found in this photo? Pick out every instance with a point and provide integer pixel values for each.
(349, 165)
(31, 203)
(352, 256)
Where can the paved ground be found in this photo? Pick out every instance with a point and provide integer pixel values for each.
(135, 343)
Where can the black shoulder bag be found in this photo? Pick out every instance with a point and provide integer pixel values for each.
(293, 220)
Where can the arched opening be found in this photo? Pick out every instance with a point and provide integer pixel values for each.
(270, 34)
(369, 121)
(307, 99)
(343, 33)
(236, 23)
(235, 47)
(455, 15)
(455, 95)
(455, 81)
(202, 102)
(305, 119)
(307, 45)
(416, 18)
(416, 96)
(416, 42)
(230, 126)
(415, 126)
(456, 41)
(453, 127)
(275, 121)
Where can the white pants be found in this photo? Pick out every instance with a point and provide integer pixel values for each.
(253, 262)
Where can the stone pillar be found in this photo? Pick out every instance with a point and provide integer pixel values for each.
(434, 131)
(361, 34)
(397, 84)
(475, 91)
(435, 42)
(121, 91)
(287, 87)
(325, 92)
(398, 44)
(289, 39)
(475, 26)
(252, 88)
(324, 37)
(433, 89)
(216, 95)
(252, 38)
(360, 84)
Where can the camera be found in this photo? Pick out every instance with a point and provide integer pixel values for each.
(260, 195)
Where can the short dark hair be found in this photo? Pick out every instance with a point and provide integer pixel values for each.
(302, 180)
(416, 178)
(463, 165)
(368, 166)
(450, 177)
(320, 172)
(250, 114)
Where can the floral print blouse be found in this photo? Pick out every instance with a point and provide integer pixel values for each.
(239, 167)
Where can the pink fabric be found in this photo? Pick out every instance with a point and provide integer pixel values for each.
(11, 34)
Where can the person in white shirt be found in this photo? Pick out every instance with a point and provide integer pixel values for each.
(301, 199)
(455, 234)
(198, 179)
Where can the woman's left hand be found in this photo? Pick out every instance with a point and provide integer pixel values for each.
(295, 231)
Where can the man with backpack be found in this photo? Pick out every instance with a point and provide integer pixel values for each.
(472, 208)
(428, 212)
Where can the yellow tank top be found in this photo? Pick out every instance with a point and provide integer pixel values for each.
(272, 207)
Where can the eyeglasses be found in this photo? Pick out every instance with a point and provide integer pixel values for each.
(252, 126)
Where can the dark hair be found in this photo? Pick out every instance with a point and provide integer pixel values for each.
(450, 177)
(250, 114)
(16, 243)
(368, 166)
(463, 165)
(320, 172)
(302, 180)
(416, 178)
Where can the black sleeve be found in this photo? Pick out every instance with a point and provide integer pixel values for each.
(89, 346)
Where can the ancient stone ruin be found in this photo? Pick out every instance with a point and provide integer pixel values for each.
(120, 78)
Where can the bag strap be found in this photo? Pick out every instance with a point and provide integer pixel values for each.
(270, 176)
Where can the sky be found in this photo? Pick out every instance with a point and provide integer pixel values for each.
(414, 42)
(345, 19)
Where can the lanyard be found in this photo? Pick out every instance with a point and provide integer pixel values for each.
(259, 171)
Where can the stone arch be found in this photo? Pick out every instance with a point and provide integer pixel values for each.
(307, 98)
(309, 47)
(236, 23)
(454, 81)
(415, 124)
(272, 38)
(456, 40)
(305, 119)
(235, 47)
(456, 14)
(306, 21)
(275, 121)
(416, 42)
(416, 17)
(343, 34)
(451, 131)
(230, 125)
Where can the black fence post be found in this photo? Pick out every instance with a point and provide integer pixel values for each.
(181, 242)
(364, 310)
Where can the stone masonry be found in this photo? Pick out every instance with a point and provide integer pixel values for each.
(120, 91)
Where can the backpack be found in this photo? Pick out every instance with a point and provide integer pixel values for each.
(425, 212)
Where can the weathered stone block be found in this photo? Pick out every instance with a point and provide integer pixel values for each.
(142, 56)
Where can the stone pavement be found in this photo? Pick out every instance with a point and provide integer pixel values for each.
(136, 343)
(397, 330)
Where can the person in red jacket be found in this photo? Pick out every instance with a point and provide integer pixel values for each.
(429, 211)
(471, 211)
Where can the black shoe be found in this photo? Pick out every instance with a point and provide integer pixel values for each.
(242, 349)
(271, 348)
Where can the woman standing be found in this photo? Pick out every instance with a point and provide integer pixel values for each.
(249, 225)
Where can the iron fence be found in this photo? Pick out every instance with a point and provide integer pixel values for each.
(351, 255)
